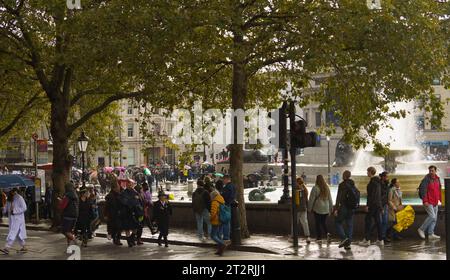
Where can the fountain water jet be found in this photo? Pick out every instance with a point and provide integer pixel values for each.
(404, 161)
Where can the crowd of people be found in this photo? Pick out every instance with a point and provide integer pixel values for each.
(384, 200)
(128, 209)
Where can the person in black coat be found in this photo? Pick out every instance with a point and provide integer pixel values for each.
(161, 213)
(85, 214)
(133, 213)
(70, 212)
(113, 214)
(374, 207)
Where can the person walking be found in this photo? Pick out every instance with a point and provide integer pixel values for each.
(216, 201)
(48, 205)
(385, 186)
(148, 204)
(395, 205)
(113, 213)
(2, 203)
(430, 193)
(70, 204)
(15, 209)
(201, 204)
(132, 213)
(347, 200)
(85, 216)
(374, 207)
(303, 208)
(321, 204)
(162, 210)
(229, 195)
(140, 228)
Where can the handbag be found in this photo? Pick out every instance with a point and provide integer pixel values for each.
(63, 203)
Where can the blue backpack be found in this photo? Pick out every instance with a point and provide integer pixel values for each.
(224, 213)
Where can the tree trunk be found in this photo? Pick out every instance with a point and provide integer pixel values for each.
(239, 93)
(61, 157)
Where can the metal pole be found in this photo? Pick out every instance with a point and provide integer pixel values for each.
(82, 169)
(447, 217)
(329, 168)
(283, 144)
(293, 175)
(35, 176)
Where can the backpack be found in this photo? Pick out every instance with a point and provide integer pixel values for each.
(224, 214)
(198, 204)
(63, 203)
(422, 189)
(352, 197)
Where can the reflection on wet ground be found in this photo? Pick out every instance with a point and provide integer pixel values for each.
(47, 245)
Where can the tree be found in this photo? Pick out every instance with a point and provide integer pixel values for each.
(81, 61)
(242, 53)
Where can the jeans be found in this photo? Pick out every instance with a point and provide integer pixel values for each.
(215, 234)
(430, 222)
(303, 219)
(345, 216)
(384, 221)
(321, 223)
(225, 230)
(204, 217)
(374, 214)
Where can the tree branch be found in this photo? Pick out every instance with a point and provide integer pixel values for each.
(35, 59)
(19, 115)
(101, 107)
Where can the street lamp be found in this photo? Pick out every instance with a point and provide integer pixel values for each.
(83, 141)
(329, 167)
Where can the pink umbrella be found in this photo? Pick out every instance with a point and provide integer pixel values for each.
(108, 169)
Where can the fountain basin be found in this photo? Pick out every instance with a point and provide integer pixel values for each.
(408, 183)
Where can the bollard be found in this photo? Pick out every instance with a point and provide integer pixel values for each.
(190, 187)
(447, 216)
(235, 224)
(168, 186)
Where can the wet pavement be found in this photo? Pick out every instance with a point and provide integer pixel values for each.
(184, 245)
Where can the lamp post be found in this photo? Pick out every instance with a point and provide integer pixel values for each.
(329, 167)
(83, 141)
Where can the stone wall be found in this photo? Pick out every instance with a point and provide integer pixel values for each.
(276, 219)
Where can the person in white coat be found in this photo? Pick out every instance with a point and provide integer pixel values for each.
(15, 209)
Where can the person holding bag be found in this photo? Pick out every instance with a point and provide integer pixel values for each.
(321, 204)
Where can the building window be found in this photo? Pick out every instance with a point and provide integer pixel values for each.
(101, 161)
(436, 82)
(130, 130)
(307, 118)
(130, 109)
(331, 118)
(420, 121)
(318, 119)
(130, 157)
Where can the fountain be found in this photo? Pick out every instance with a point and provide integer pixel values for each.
(404, 161)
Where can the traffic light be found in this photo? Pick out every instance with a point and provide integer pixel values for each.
(302, 139)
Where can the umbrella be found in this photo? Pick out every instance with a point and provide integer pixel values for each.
(108, 169)
(187, 167)
(120, 168)
(15, 181)
(218, 174)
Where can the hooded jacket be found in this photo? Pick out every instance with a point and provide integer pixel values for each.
(374, 193)
(215, 205)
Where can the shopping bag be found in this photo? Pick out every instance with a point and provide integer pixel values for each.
(405, 218)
